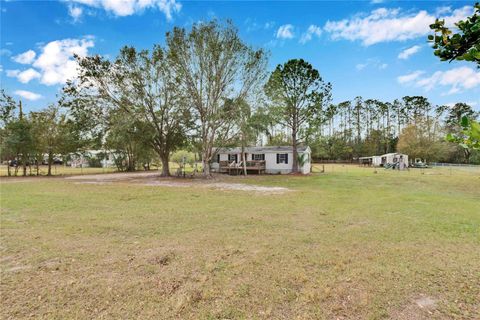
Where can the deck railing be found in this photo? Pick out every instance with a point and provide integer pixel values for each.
(236, 167)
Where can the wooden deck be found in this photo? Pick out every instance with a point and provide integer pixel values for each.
(234, 168)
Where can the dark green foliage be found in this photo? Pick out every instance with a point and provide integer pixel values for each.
(464, 45)
(469, 136)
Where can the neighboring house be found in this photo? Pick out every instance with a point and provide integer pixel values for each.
(271, 160)
(81, 159)
(388, 159)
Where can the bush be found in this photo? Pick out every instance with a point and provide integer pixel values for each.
(94, 162)
(178, 156)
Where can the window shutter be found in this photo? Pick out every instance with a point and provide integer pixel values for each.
(253, 156)
(236, 158)
(263, 157)
(286, 158)
(278, 158)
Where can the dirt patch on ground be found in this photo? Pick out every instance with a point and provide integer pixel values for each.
(420, 308)
(154, 179)
(115, 176)
(248, 187)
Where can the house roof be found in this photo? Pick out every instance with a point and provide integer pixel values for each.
(265, 149)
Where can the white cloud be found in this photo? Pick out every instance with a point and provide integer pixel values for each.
(269, 25)
(124, 8)
(384, 25)
(410, 77)
(443, 10)
(25, 58)
(75, 12)
(373, 62)
(312, 30)
(5, 52)
(361, 66)
(12, 73)
(28, 95)
(458, 79)
(285, 32)
(56, 63)
(23, 76)
(405, 54)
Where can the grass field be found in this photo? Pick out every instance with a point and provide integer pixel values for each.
(345, 244)
(57, 170)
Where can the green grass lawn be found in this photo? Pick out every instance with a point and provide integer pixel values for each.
(345, 244)
(60, 170)
(57, 170)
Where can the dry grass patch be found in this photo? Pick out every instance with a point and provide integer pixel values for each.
(348, 244)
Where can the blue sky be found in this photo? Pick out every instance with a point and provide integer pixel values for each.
(376, 49)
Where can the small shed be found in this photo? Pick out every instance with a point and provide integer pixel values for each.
(399, 160)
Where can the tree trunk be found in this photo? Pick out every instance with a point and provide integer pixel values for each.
(244, 161)
(38, 167)
(50, 161)
(205, 164)
(165, 166)
(295, 154)
(24, 164)
(467, 154)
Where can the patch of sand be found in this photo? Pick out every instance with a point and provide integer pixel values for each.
(248, 187)
(115, 176)
(426, 302)
(154, 179)
(421, 308)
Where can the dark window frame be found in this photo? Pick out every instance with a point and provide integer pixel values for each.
(282, 158)
(258, 156)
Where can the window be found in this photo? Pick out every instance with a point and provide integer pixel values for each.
(232, 158)
(218, 158)
(282, 158)
(258, 157)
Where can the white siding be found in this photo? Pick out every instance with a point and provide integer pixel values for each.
(308, 165)
(273, 167)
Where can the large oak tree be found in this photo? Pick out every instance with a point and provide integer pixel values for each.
(217, 71)
(143, 86)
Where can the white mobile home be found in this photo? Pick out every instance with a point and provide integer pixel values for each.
(80, 159)
(397, 159)
(272, 160)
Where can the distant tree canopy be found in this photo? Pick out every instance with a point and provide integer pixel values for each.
(463, 45)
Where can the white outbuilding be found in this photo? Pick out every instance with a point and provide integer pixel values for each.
(399, 160)
(272, 160)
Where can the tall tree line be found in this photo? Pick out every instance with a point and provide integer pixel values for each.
(206, 88)
(364, 127)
